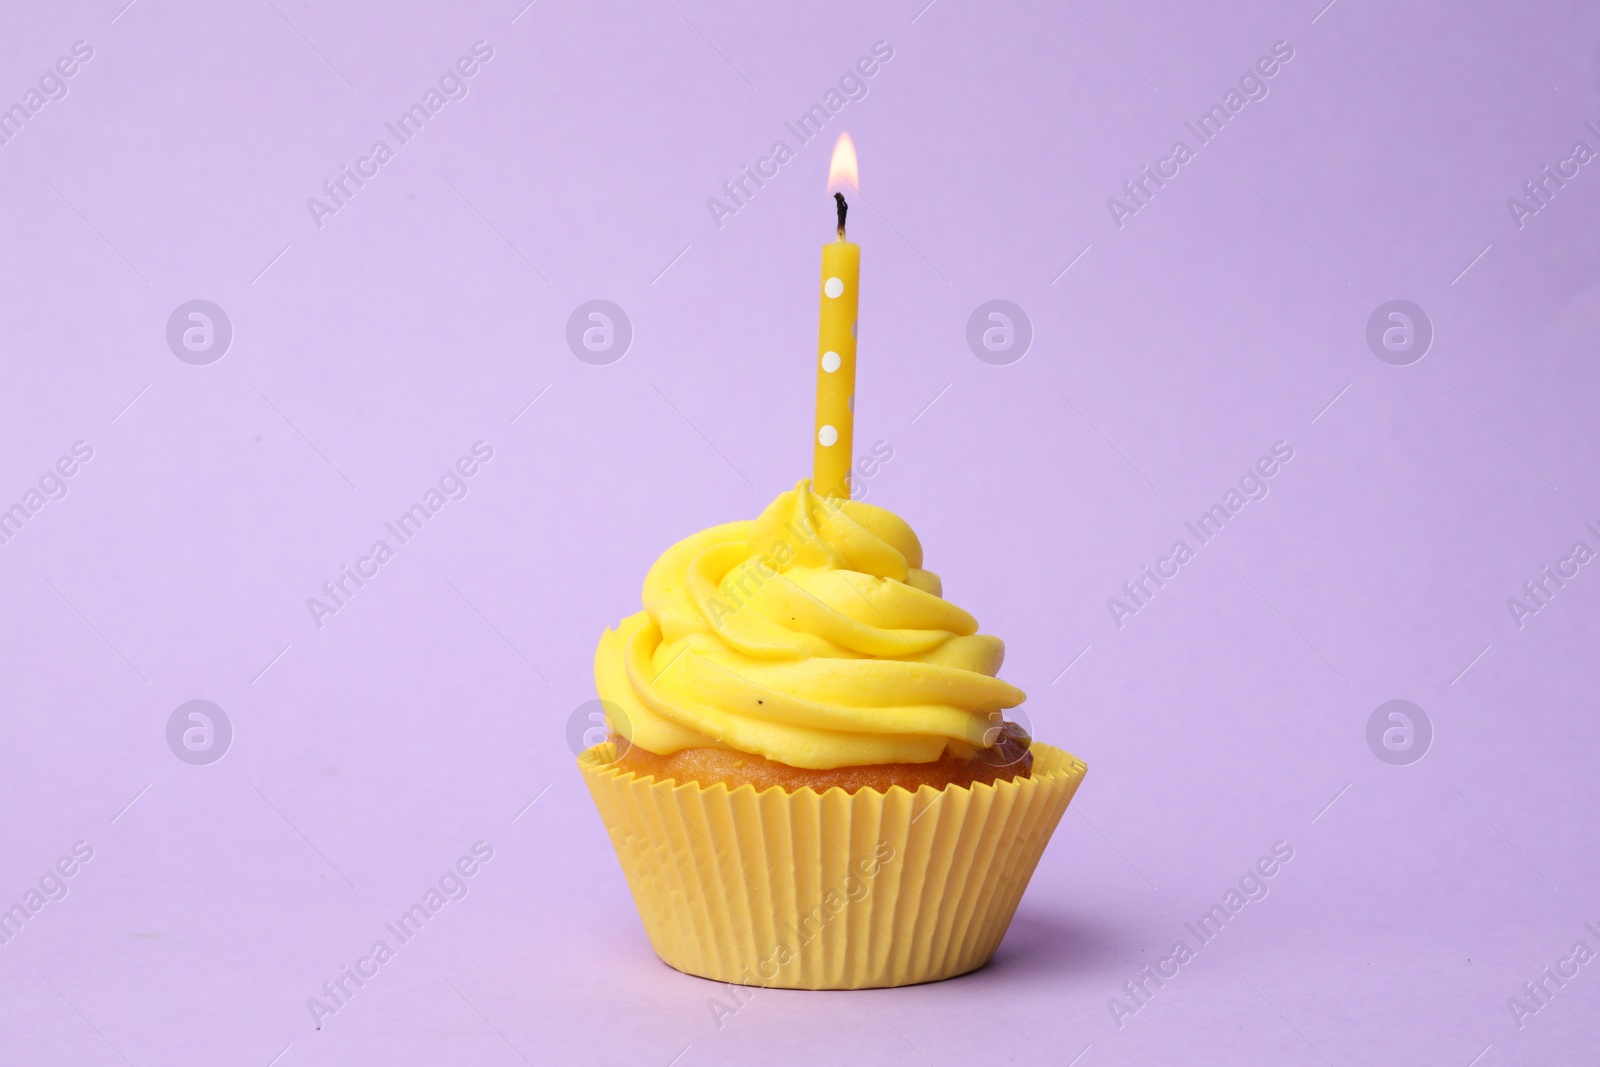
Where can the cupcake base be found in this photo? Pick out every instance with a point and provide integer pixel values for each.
(1010, 757)
(800, 890)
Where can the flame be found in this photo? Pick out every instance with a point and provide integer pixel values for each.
(842, 172)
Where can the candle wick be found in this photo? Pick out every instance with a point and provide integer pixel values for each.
(843, 207)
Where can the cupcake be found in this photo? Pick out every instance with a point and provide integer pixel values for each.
(810, 781)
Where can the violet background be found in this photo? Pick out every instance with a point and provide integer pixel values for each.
(426, 315)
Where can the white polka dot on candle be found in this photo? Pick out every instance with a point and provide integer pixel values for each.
(830, 361)
(828, 436)
(833, 287)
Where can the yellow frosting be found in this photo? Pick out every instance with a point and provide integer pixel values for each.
(811, 636)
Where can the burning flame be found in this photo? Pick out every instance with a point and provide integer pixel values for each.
(842, 172)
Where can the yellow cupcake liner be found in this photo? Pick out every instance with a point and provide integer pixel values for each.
(831, 891)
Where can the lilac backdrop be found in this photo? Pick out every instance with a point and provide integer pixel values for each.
(373, 346)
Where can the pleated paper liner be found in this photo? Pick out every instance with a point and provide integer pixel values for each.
(832, 891)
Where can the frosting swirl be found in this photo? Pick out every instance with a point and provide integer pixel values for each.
(811, 636)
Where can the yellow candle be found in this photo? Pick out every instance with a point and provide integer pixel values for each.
(836, 346)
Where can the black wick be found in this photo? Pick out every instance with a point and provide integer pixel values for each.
(843, 207)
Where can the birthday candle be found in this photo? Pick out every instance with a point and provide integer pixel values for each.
(836, 340)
